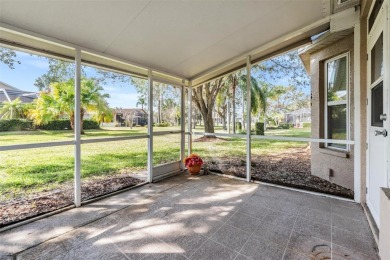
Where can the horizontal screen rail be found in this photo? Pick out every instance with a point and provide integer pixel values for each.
(167, 132)
(35, 145)
(72, 142)
(281, 138)
(113, 139)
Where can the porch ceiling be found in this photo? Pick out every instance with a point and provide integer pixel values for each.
(184, 38)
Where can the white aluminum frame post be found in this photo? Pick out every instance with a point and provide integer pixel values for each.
(189, 145)
(77, 130)
(150, 127)
(182, 126)
(248, 118)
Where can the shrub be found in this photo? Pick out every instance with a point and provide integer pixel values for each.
(163, 124)
(60, 124)
(284, 126)
(15, 125)
(259, 128)
(90, 124)
(239, 126)
(306, 125)
(64, 124)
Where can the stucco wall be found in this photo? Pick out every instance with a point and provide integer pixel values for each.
(363, 114)
(325, 159)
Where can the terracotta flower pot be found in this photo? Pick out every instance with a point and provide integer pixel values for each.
(194, 169)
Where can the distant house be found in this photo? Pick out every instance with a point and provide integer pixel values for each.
(130, 117)
(298, 117)
(9, 93)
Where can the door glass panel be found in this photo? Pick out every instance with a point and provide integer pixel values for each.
(377, 105)
(377, 59)
(337, 124)
(374, 14)
(337, 79)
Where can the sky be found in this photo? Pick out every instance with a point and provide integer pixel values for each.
(31, 67)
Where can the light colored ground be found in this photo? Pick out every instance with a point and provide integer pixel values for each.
(206, 217)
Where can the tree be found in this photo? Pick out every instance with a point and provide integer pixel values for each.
(221, 105)
(141, 101)
(204, 98)
(59, 100)
(287, 66)
(8, 57)
(12, 109)
(258, 97)
(59, 71)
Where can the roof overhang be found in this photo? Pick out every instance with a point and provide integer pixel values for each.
(181, 39)
(341, 25)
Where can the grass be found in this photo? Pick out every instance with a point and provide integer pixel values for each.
(24, 172)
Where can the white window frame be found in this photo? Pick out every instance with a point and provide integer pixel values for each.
(335, 103)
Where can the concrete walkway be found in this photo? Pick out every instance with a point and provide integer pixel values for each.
(206, 217)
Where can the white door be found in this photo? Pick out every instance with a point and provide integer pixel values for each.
(378, 116)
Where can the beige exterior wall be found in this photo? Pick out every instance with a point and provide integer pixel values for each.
(363, 101)
(324, 159)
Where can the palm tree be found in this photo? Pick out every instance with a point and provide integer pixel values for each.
(221, 105)
(12, 109)
(258, 96)
(59, 100)
(141, 101)
(272, 93)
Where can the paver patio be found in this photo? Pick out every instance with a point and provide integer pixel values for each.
(206, 217)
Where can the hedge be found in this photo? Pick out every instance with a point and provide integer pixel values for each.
(15, 125)
(239, 126)
(64, 124)
(259, 128)
(285, 126)
(90, 124)
(61, 124)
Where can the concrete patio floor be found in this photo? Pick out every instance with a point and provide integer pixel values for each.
(206, 217)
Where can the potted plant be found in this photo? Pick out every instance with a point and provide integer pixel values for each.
(193, 163)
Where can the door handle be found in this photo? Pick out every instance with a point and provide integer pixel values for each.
(379, 132)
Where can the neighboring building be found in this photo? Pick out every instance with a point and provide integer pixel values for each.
(10, 93)
(298, 117)
(130, 117)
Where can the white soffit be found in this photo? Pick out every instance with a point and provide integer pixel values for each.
(184, 38)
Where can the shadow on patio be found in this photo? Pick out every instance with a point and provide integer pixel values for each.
(206, 217)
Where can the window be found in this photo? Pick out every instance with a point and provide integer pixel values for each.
(336, 101)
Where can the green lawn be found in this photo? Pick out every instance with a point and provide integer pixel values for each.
(24, 172)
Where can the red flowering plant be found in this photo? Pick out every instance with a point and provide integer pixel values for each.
(192, 160)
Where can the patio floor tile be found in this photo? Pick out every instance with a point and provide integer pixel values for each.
(271, 233)
(231, 237)
(341, 253)
(211, 250)
(364, 244)
(293, 255)
(322, 216)
(309, 245)
(352, 225)
(314, 229)
(260, 249)
(206, 217)
(244, 222)
(279, 218)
